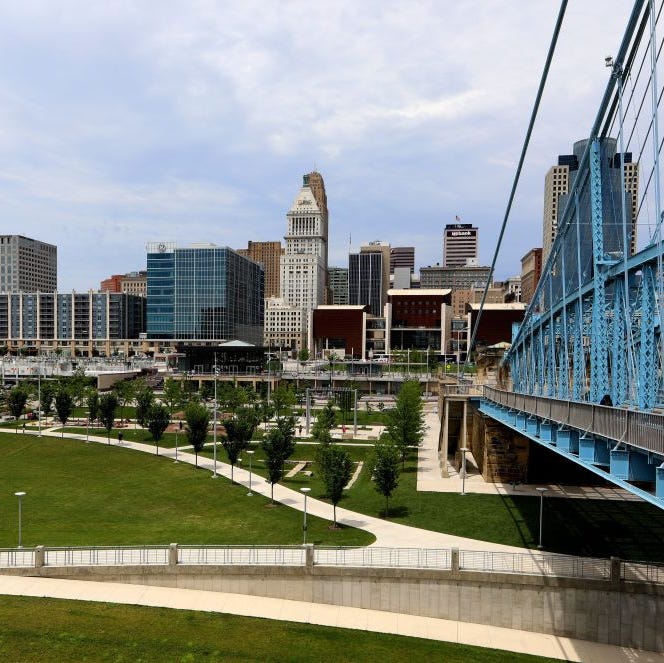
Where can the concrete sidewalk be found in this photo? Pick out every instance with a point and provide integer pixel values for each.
(327, 615)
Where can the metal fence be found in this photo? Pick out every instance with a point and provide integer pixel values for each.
(644, 430)
(414, 558)
(547, 564)
(444, 559)
(242, 555)
(106, 556)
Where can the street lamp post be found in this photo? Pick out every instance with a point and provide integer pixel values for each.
(304, 522)
(39, 409)
(250, 453)
(176, 445)
(541, 491)
(463, 469)
(214, 434)
(20, 495)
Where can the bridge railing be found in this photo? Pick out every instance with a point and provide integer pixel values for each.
(640, 429)
(443, 559)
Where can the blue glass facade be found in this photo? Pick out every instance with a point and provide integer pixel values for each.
(208, 293)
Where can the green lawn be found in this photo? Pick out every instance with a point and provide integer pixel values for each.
(92, 494)
(131, 434)
(631, 530)
(38, 629)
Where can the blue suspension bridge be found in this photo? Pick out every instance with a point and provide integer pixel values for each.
(586, 365)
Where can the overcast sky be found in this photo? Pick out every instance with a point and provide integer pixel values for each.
(127, 122)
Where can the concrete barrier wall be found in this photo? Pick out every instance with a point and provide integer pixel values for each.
(617, 613)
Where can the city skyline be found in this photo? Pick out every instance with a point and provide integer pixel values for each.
(122, 125)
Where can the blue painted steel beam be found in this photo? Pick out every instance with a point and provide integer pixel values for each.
(509, 418)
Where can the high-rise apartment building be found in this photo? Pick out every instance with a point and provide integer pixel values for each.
(304, 262)
(84, 322)
(460, 244)
(559, 181)
(365, 281)
(203, 292)
(268, 254)
(27, 265)
(338, 277)
(402, 256)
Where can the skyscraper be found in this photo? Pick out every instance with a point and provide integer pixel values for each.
(402, 256)
(27, 265)
(303, 265)
(384, 249)
(460, 244)
(559, 181)
(203, 292)
(268, 254)
(365, 281)
(338, 284)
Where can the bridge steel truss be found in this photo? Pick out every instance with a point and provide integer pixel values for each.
(592, 333)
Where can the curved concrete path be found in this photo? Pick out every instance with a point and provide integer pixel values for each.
(388, 534)
(328, 615)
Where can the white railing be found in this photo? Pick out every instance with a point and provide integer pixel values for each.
(443, 559)
(545, 564)
(106, 556)
(414, 558)
(242, 555)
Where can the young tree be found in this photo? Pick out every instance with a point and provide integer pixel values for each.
(345, 400)
(157, 420)
(239, 431)
(47, 396)
(125, 391)
(16, 401)
(303, 355)
(405, 423)
(385, 472)
(108, 404)
(283, 398)
(336, 469)
(173, 394)
(197, 417)
(64, 404)
(278, 445)
(92, 402)
(144, 398)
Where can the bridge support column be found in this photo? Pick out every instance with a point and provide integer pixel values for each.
(445, 440)
(568, 440)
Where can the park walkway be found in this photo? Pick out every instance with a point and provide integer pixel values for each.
(327, 615)
(388, 534)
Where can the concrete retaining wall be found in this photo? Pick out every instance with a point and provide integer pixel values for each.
(617, 613)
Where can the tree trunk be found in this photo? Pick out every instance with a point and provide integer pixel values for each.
(334, 516)
(387, 499)
(196, 457)
(232, 468)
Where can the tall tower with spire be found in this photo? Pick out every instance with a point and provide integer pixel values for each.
(303, 266)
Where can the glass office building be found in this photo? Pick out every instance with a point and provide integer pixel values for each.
(203, 292)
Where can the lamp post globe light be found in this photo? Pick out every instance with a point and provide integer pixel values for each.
(20, 495)
(541, 492)
(304, 522)
(250, 453)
